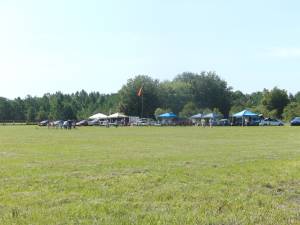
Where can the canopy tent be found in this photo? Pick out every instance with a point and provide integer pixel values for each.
(245, 117)
(98, 116)
(168, 115)
(244, 113)
(117, 116)
(212, 116)
(197, 116)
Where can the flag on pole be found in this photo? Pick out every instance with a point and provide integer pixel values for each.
(140, 92)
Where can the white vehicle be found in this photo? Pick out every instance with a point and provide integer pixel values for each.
(58, 123)
(94, 122)
(271, 122)
(104, 123)
(142, 122)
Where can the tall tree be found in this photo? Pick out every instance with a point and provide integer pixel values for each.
(175, 94)
(297, 97)
(6, 112)
(291, 110)
(143, 105)
(208, 90)
(275, 100)
(32, 107)
(188, 110)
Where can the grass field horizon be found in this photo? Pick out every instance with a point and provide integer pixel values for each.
(150, 175)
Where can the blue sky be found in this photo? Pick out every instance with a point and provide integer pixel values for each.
(69, 45)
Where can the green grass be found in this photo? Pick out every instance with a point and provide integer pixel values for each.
(159, 175)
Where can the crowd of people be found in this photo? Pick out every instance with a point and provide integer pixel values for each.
(68, 124)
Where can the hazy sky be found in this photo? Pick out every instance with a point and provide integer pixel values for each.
(96, 45)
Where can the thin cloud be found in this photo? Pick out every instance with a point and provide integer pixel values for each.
(284, 52)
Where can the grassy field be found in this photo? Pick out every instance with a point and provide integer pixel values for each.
(159, 175)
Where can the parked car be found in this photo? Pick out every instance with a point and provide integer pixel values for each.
(271, 122)
(142, 122)
(82, 123)
(43, 123)
(68, 124)
(255, 122)
(58, 123)
(295, 121)
(94, 122)
(104, 123)
(224, 122)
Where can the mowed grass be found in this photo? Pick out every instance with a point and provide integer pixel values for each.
(158, 175)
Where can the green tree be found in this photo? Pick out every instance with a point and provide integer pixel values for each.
(292, 110)
(175, 94)
(31, 106)
(238, 102)
(276, 99)
(41, 115)
(5, 110)
(254, 99)
(56, 106)
(208, 90)
(19, 110)
(188, 110)
(145, 105)
(160, 111)
(297, 97)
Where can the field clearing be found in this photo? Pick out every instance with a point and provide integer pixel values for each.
(155, 175)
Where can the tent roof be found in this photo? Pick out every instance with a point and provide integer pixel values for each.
(211, 115)
(167, 115)
(117, 115)
(98, 116)
(244, 113)
(197, 116)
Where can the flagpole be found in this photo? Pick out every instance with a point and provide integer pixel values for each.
(142, 106)
(141, 94)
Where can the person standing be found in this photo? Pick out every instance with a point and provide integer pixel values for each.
(210, 122)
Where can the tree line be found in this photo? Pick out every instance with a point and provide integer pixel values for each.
(187, 94)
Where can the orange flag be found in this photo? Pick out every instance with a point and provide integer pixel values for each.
(140, 92)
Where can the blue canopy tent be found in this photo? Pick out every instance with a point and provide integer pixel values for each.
(167, 118)
(196, 119)
(168, 115)
(212, 116)
(243, 114)
(211, 119)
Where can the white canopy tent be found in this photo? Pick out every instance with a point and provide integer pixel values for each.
(117, 116)
(98, 116)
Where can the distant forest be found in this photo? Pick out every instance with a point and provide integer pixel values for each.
(187, 94)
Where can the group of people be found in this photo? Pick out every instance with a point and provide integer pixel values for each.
(205, 123)
(68, 124)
